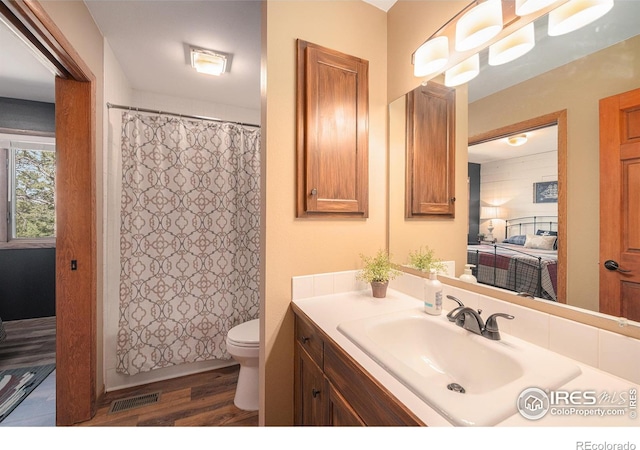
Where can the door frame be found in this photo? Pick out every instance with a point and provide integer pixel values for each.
(558, 118)
(76, 290)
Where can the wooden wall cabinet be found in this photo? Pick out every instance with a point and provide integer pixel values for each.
(331, 389)
(430, 176)
(332, 98)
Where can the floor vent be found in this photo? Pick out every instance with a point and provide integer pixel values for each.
(137, 401)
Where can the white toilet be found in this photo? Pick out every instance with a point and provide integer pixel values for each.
(243, 344)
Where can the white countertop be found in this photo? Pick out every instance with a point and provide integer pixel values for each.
(330, 310)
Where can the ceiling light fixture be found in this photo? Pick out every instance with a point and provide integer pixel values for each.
(513, 46)
(479, 25)
(463, 72)
(431, 56)
(517, 140)
(208, 61)
(524, 7)
(575, 14)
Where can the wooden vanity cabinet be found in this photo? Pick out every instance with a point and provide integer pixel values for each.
(331, 389)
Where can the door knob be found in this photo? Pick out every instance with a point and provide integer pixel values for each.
(613, 266)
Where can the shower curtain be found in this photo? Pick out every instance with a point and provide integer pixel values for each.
(189, 238)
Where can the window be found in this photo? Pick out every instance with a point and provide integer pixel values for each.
(27, 177)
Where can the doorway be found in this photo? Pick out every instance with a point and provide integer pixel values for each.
(76, 253)
(558, 119)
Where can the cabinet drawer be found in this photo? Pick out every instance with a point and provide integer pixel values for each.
(310, 340)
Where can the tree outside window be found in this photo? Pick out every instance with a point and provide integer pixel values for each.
(33, 199)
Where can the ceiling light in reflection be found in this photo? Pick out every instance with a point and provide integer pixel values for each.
(513, 46)
(575, 14)
(478, 25)
(524, 7)
(463, 72)
(517, 140)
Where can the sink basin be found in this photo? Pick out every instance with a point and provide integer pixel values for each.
(428, 353)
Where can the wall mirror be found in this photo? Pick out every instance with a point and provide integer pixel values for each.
(559, 82)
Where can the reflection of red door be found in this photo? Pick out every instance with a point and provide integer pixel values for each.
(620, 205)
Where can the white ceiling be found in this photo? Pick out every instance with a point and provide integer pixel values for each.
(538, 141)
(22, 75)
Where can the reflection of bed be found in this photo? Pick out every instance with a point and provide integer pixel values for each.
(524, 262)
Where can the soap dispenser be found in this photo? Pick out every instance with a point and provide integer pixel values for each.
(433, 294)
(467, 276)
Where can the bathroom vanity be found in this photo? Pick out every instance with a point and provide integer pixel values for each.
(342, 379)
(320, 366)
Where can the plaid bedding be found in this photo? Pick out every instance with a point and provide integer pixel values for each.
(516, 269)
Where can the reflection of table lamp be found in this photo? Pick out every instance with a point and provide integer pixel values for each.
(489, 213)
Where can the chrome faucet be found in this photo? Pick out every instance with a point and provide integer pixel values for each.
(470, 320)
(455, 310)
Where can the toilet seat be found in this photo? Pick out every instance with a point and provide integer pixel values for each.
(245, 335)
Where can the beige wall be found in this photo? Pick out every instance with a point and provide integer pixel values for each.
(576, 87)
(304, 246)
(77, 25)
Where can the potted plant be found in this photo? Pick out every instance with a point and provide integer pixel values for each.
(424, 260)
(378, 270)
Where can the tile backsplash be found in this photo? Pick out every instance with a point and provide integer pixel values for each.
(610, 352)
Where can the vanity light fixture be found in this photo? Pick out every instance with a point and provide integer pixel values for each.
(463, 72)
(479, 25)
(208, 61)
(431, 56)
(524, 7)
(513, 46)
(517, 140)
(575, 14)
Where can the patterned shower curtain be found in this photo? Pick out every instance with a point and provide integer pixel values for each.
(189, 238)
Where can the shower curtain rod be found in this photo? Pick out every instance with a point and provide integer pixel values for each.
(157, 111)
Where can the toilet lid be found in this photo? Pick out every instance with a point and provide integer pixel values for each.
(246, 334)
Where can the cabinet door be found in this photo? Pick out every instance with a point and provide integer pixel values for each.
(332, 127)
(430, 178)
(309, 390)
(339, 412)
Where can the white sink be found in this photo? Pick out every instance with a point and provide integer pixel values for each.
(428, 353)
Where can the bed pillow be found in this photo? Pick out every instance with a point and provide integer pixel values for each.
(549, 233)
(540, 242)
(517, 240)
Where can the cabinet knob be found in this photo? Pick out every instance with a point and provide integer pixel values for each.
(304, 339)
(315, 392)
(452, 199)
(314, 191)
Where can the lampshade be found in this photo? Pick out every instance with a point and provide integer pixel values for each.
(517, 140)
(207, 61)
(479, 25)
(488, 212)
(513, 46)
(431, 56)
(575, 14)
(463, 72)
(524, 7)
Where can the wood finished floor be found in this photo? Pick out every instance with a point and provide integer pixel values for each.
(204, 399)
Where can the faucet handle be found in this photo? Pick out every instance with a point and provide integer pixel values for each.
(491, 330)
(451, 297)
